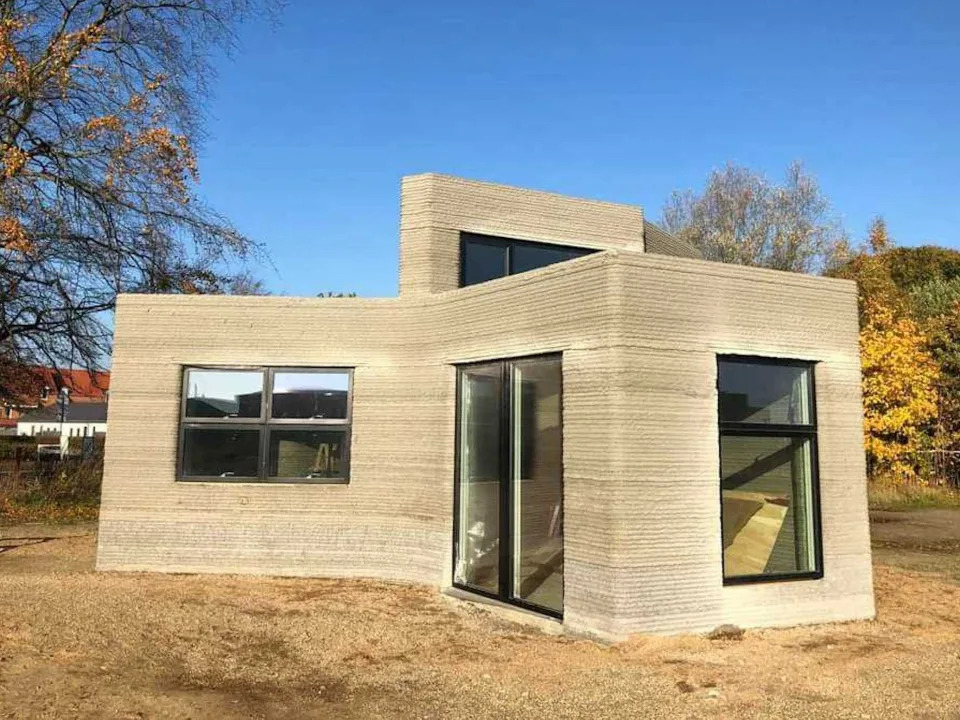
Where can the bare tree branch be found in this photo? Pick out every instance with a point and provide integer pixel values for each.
(100, 116)
(744, 219)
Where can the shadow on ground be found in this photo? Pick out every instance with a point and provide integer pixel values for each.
(75, 643)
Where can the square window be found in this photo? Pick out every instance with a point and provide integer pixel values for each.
(218, 452)
(223, 394)
(310, 395)
(482, 261)
(308, 453)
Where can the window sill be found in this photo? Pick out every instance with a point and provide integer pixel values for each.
(257, 482)
(762, 579)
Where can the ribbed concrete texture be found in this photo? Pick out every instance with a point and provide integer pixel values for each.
(639, 334)
(436, 208)
(659, 241)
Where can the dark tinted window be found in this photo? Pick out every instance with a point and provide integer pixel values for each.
(765, 392)
(309, 454)
(483, 261)
(221, 452)
(486, 258)
(530, 257)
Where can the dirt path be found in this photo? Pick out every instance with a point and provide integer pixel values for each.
(924, 540)
(74, 643)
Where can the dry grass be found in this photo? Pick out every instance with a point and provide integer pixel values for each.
(57, 491)
(74, 643)
(891, 496)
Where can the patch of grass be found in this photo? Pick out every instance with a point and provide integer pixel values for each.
(890, 496)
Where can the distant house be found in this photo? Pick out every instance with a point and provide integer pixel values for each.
(39, 387)
(83, 419)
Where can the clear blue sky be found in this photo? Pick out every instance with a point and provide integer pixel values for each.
(314, 121)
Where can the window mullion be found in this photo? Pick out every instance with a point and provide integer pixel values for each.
(267, 411)
(207, 454)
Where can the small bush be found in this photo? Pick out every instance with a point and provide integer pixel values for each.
(9, 444)
(55, 490)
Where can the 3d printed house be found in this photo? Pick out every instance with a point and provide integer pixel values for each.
(565, 409)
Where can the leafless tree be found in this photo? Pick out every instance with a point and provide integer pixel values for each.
(101, 110)
(743, 218)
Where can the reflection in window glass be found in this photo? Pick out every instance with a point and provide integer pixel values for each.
(483, 261)
(538, 482)
(296, 430)
(478, 556)
(220, 452)
(224, 393)
(310, 395)
(767, 505)
(768, 393)
(486, 257)
(307, 454)
(526, 257)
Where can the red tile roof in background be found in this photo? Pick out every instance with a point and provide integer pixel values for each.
(92, 386)
(83, 385)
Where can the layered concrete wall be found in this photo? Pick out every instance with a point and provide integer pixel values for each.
(658, 241)
(389, 522)
(678, 315)
(394, 518)
(639, 334)
(435, 209)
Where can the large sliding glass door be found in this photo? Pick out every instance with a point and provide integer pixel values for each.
(509, 489)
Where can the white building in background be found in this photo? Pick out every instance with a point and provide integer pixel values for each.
(87, 419)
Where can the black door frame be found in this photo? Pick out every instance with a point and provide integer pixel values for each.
(505, 572)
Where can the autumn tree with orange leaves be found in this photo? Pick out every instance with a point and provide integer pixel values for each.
(100, 115)
(909, 356)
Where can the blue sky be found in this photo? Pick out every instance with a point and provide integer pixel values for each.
(314, 121)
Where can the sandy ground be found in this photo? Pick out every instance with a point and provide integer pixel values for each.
(74, 643)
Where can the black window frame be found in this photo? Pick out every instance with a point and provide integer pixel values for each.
(806, 431)
(266, 425)
(505, 501)
(508, 244)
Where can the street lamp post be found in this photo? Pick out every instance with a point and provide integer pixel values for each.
(64, 401)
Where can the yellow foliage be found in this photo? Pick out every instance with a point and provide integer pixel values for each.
(10, 56)
(14, 159)
(13, 236)
(107, 122)
(899, 391)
